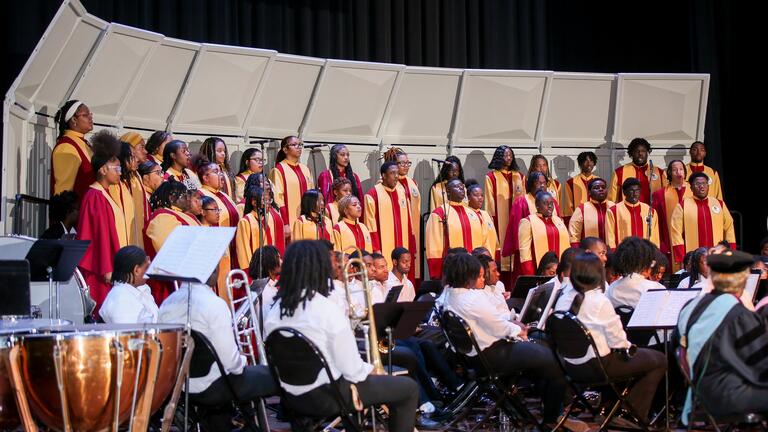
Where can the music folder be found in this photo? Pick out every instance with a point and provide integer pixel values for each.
(660, 308)
(190, 253)
(526, 283)
(402, 317)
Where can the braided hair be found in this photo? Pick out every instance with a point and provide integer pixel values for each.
(126, 259)
(167, 194)
(306, 271)
(348, 173)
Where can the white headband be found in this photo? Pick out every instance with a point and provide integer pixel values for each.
(71, 111)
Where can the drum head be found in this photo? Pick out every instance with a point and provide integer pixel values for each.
(31, 325)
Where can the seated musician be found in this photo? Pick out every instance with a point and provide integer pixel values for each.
(265, 263)
(209, 314)
(301, 303)
(401, 266)
(618, 355)
(698, 272)
(65, 208)
(635, 258)
(492, 275)
(130, 299)
(725, 342)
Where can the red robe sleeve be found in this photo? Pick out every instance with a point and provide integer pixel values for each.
(324, 184)
(517, 211)
(97, 224)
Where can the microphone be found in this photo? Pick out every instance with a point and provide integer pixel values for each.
(314, 146)
(440, 161)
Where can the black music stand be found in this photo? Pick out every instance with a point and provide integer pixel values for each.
(526, 283)
(14, 288)
(55, 261)
(399, 320)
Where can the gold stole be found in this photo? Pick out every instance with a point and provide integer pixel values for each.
(121, 228)
(691, 222)
(540, 240)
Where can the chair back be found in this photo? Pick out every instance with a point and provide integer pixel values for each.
(203, 356)
(574, 348)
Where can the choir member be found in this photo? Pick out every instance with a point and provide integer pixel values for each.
(540, 232)
(211, 212)
(698, 152)
(172, 204)
(589, 218)
(401, 266)
(122, 193)
(700, 221)
(490, 280)
(639, 149)
(130, 299)
(475, 201)
(71, 167)
(387, 214)
(340, 167)
(101, 219)
(349, 231)
(541, 164)
(664, 202)
(448, 171)
(302, 304)
(503, 185)
(630, 217)
(176, 158)
(341, 187)
(460, 227)
(141, 206)
(634, 257)
(290, 179)
(312, 223)
(575, 190)
(64, 212)
(151, 178)
(251, 162)
(215, 149)
(156, 146)
(247, 237)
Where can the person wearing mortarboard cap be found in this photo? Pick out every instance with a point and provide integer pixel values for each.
(725, 343)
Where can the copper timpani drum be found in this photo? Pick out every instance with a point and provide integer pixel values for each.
(98, 376)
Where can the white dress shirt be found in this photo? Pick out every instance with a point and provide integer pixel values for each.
(209, 315)
(127, 304)
(323, 323)
(704, 283)
(378, 291)
(268, 297)
(567, 293)
(407, 294)
(339, 296)
(597, 314)
(500, 288)
(476, 308)
(628, 290)
(498, 301)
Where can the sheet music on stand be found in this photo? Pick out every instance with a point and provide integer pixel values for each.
(660, 309)
(534, 296)
(191, 253)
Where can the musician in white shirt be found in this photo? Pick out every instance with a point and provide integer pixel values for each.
(635, 257)
(401, 265)
(130, 300)
(503, 342)
(617, 354)
(269, 258)
(301, 304)
(491, 273)
(377, 277)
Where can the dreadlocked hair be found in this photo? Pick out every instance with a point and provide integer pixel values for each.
(106, 147)
(125, 156)
(497, 161)
(306, 271)
(348, 173)
(392, 154)
(167, 194)
(446, 168)
(634, 256)
(208, 149)
(202, 165)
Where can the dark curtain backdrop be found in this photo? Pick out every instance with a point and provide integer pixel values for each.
(579, 36)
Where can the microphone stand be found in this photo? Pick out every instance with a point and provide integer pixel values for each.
(445, 209)
(649, 219)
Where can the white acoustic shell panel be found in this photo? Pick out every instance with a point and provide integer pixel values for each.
(220, 89)
(280, 105)
(157, 89)
(579, 111)
(350, 102)
(498, 107)
(423, 106)
(665, 109)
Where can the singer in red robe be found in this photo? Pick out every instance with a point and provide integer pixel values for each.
(650, 181)
(664, 202)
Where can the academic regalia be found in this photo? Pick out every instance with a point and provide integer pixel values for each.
(502, 188)
(306, 229)
(240, 180)
(290, 180)
(465, 228)
(71, 164)
(538, 236)
(413, 196)
(700, 223)
(658, 181)
(715, 189)
(101, 221)
(332, 211)
(247, 236)
(121, 194)
(436, 194)
(626, 220)
(228, 217)
(349, 233)
(388, 218)
(575, 193)
(588, 220)
(325, 184)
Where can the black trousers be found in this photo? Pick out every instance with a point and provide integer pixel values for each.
(536, 361)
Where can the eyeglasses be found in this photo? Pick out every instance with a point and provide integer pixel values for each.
(158, 172)
(215, 210)
(259, 160)
(116, 168)
(409, 163)
(296, 145)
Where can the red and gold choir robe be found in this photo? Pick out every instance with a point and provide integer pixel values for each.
(520, 208)
(588, 220)
(348, 233)
(413, 196)
(575, 193)
(141, 207)
(465, 228)
(156, 158)
(247, 236)
(502, 187)
(664, 203)
(121, 194)
(228, 186)
(229, 217)
(700, 223)
(325, 183)
(188, 174)
(240, 180)
(71, 164)
(715, 190)
(553, 187)
(101, 221)
(388, 218)
(290, 181)
(436, 196)
(491, 239)
(332, 211)
(627, 220)
(159, 226)
(538, 236)
(306, 229)
(658, 179)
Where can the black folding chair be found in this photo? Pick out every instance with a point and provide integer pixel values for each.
(203, 357)
(700, 413)
(637, 337)
(502, 391)
(570, 340)
(296, 361)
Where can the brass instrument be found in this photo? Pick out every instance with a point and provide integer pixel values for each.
(372, 346)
